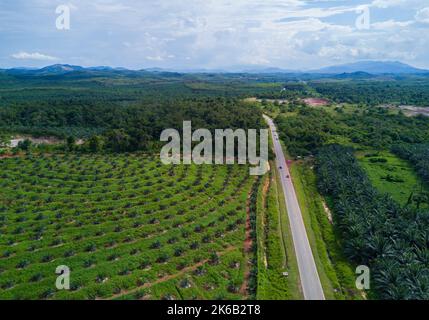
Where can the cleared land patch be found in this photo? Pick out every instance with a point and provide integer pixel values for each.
(390, 174)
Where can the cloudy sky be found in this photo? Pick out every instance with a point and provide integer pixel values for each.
(293, 34)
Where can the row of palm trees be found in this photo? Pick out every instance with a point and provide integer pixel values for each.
(391, 240)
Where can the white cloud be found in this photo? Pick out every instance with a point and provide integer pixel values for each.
(340, 51)
(387, 3)
(33, 56)
(154, 58)
(390, 24)
(215, 33)
(423, 15)
(318, 12)
(111, 8)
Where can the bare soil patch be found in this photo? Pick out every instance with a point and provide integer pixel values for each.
(316, 102)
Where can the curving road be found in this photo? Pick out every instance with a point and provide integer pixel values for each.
(310, 281)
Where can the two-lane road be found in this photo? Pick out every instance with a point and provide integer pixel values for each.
(310, 281)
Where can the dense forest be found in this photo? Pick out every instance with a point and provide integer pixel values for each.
(135, 106)
(349, 88)
(404, 91)
(305, 129)
(129, 128)
(392, 241)
(122, 113)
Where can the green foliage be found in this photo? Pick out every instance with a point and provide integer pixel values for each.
(389, 239)
(378, 160)
(306, 130)
(411, 91)
(128, 111)
(24, 145)
(95, 144)
(4, 140)
(119, 222)
(335, 271)
(272, 261)
(70, 143)
(310, 128)
(394, 176)
(418, 155)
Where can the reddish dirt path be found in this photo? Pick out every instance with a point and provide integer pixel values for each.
(169, 277)
(265, 189)
(248, 238)
(248, 243)
(247, 246)
(7, 156)
(316, 102)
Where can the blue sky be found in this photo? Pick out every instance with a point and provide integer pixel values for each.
(292, 34)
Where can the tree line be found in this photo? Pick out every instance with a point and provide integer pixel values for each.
(130, 128)
(305, 129)
(391, 240)
(376, 92)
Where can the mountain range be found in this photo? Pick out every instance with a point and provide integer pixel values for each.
(360, 69)
(372, 67)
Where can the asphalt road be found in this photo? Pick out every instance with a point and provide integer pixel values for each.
(310, 281)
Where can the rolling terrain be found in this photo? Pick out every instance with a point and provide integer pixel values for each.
(352, 189)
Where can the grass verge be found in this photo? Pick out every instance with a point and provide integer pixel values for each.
(335, 272)
(275, 246)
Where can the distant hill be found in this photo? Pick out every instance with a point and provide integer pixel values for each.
(268, 70)
(358, 70)
(53, 69)
(362, 69)
(58, 68)
(233, 69)
(106, 68)
(354, 75)
(372, 67)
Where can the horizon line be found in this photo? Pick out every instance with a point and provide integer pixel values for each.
(228, 69)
